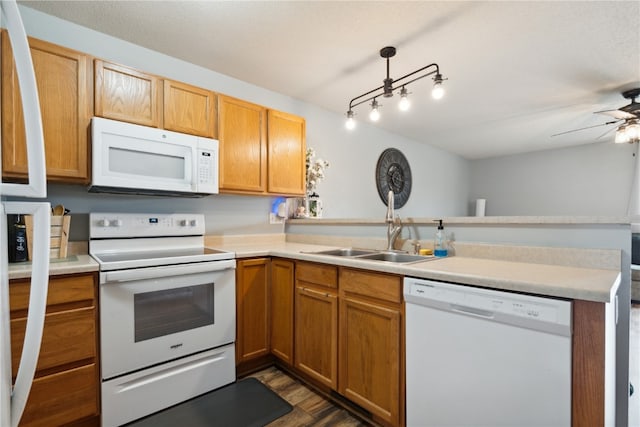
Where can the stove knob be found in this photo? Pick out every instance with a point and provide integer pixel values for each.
(183, 222)
(116, 223)
(103, 222)
(193, 223)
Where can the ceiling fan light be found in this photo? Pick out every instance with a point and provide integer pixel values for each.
(633, 131)
(621, 135)
(351, 122)
(404, 103)
(374, 115)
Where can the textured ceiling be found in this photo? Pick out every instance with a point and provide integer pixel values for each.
(518, 71)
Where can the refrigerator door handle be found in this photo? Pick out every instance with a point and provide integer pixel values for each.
(37, 186)
(41, 212)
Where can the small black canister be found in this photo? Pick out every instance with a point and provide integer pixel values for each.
(20, 240)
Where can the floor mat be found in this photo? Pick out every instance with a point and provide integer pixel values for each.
(245, 403)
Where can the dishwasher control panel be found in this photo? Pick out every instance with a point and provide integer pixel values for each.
(486, 303)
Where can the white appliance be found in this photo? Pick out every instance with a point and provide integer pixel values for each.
(478, 357)
(13, 397)
(129, 158)
(167, 312)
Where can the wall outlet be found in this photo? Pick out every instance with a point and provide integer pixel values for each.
(275, 219)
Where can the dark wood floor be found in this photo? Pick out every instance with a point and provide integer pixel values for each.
(309, 408)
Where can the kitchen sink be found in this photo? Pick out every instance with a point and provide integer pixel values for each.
(394, 257)
(348, 252)
(374, 255)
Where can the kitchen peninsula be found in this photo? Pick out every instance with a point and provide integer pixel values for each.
(561, 264)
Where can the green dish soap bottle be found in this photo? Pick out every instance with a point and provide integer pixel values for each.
(440, 243)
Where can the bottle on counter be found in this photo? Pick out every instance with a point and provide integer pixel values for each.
(440, 243)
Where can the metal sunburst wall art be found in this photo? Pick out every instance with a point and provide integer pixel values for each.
(393, 173)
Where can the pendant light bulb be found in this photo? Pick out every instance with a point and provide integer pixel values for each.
(404, 103)
(351, 123)
(438, 90)
(374, 115)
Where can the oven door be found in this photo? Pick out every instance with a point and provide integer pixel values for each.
(153, 315)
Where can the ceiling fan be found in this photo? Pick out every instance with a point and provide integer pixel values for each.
(629, 115)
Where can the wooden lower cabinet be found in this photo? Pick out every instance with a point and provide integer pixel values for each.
(66, 385)
(316, 322)
(252, 305)
(62, 398)
(282, 295)
(371, 356)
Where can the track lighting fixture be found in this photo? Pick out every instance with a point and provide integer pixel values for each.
(390, 85)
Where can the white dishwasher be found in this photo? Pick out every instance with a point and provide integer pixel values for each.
(477, 357)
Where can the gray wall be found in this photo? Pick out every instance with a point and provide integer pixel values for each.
(591, 180)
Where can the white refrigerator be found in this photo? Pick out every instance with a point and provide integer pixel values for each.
(13, 396)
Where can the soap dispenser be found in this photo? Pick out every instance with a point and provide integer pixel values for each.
(440, 244)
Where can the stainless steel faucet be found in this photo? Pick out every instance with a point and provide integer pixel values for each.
(394, 226)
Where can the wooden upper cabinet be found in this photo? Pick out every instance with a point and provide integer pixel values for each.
(243, 146)
(287, 150)
(128, 95)
(65, 89)
(189, 109)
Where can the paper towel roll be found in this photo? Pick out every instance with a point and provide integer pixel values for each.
(480, 206)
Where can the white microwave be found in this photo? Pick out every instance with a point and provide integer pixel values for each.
(134, 159)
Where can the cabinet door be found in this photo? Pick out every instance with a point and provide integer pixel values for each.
(282, 309)
(189, 109)
(65, 88)
(243, 146)
(128, 95)
(316, 334)
(252, 300)
(370, 357)
(287, 153)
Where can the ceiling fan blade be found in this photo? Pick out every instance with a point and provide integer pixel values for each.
(588, 127)
(618, 114)
(606, 133)
(633, 108)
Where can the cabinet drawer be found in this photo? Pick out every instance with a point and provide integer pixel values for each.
(68, 336)
(317, 274)
(59, 399)
(62, 290)
(375, 285)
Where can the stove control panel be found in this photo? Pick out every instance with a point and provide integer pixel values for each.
(119, 225)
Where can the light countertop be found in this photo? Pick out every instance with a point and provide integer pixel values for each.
(589, 284)
(71, 265)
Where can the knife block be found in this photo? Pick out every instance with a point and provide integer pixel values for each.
(59, 235)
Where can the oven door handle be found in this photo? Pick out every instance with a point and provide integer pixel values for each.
(167, 270)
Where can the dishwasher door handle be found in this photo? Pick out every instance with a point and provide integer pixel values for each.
(472, 311)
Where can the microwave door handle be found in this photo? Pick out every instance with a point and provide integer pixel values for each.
(37, 173)
(41, 212)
